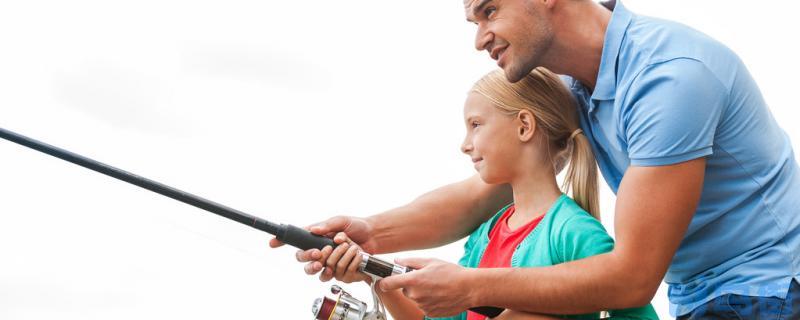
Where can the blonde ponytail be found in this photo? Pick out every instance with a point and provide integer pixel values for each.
(581, 175)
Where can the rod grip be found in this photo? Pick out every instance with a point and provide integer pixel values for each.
(302, 239)
(490, 312)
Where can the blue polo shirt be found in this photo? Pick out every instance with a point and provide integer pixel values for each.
(667, 94)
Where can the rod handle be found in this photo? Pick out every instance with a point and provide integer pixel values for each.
(302, 239)
(490, 312)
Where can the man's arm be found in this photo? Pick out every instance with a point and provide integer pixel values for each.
(653, 211)
(654, 208)
(438, 217)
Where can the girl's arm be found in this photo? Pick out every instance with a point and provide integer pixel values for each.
(519, 315)
(400, 307)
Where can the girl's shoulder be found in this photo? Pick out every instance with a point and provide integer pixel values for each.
(567, 216)
(574, 233)
(565, 209)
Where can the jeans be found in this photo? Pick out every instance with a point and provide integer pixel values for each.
(733, 306)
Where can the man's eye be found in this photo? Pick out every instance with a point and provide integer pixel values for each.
(489, 11)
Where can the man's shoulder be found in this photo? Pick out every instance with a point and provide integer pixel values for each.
(667, 46)
(655, 40)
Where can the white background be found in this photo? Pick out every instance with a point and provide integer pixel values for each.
(292, 111)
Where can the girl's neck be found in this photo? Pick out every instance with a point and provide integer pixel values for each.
(535, 191)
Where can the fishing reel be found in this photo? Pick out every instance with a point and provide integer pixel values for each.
(344, 306)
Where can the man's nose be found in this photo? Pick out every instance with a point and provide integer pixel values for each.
(482, 39)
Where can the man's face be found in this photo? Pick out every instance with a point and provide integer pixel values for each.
(516, 33)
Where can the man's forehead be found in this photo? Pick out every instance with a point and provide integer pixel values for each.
(470, 4)
(471, 7)
(468, 9)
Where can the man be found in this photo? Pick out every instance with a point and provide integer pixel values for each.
(707, 185)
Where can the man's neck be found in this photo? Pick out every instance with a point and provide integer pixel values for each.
(578, 48)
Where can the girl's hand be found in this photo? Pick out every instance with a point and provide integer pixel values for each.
(342, 262)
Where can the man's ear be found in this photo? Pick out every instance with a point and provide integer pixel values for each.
(526, 125)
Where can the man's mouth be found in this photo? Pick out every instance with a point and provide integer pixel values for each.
(497, 52)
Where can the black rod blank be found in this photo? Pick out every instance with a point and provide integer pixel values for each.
(289, 234)
(286, 233)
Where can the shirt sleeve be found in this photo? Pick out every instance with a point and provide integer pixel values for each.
(583, 236)
(671, 113)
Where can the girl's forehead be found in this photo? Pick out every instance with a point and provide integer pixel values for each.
(477, 104)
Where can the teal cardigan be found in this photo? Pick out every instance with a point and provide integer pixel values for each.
(566, 233)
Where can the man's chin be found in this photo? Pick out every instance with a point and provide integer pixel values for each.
(513, 74)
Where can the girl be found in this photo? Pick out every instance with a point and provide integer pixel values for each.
(522, 134)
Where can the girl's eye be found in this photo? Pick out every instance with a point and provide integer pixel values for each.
(474, 124)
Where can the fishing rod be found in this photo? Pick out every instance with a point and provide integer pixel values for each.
(286, 233)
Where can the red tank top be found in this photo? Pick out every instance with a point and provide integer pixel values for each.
(502, 243)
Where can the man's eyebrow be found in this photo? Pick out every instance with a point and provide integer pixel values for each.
(478, 8)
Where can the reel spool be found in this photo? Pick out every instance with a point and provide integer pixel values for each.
(346, 307)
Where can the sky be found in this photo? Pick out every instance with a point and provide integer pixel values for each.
(290, 111)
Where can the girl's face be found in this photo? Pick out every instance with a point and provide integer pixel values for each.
(491, 141)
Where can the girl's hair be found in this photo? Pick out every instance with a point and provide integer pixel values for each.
(545, 95)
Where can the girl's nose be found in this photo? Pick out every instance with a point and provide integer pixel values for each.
(466, 147)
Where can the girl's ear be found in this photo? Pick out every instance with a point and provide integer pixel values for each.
(526, 125)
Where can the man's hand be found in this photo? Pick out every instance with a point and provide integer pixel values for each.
(439, 288)
(358, 230)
